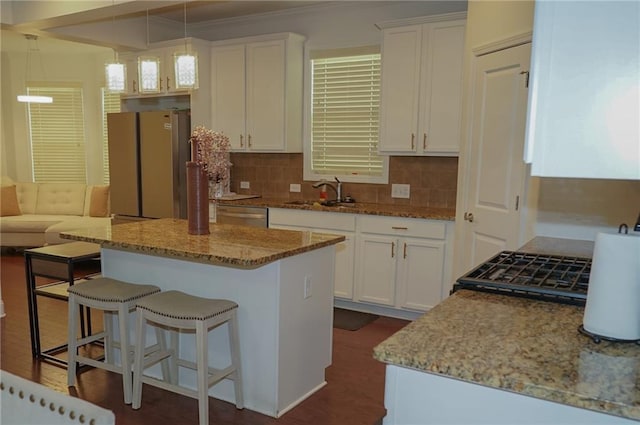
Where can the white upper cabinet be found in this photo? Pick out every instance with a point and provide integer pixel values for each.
(421, 101)
(256, 93)
(584, 101)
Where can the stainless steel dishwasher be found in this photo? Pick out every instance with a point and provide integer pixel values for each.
(242, 215)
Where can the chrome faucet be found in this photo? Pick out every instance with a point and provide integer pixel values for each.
(336, 188)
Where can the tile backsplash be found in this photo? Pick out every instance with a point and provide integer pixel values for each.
(433, 180)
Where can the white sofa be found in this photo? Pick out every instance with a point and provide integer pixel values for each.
(44, 210)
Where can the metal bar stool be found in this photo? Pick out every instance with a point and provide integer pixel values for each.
(113, 297)
(180, 311)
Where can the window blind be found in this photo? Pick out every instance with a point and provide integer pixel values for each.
(57, 135)
(110, 103)
(344, 116)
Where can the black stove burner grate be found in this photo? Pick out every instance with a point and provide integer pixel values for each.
(548, 277)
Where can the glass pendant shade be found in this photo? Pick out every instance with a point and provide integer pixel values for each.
(115, 74)
(186, 71)
(149, 74)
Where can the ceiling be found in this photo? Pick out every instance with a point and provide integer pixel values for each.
(40, 18)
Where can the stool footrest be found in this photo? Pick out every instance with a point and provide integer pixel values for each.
(97, 363)
(169, 387)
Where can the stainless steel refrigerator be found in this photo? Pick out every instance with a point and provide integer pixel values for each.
(148, 152)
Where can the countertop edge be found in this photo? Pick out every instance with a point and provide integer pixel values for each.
(364, 208)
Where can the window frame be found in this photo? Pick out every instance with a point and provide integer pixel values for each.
(308, 173)
(105, 97)
(46, 174)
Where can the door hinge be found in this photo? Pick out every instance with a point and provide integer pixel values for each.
(526, 83)
(517, 202)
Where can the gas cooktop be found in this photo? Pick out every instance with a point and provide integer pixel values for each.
(555, 278)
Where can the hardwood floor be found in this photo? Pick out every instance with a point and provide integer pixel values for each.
(353, 394)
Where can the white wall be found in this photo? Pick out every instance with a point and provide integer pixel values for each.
(343, 24)
(60, 67)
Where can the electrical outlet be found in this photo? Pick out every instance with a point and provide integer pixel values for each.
(400, 190)
(307, 287)
(294, 187)
(245, 185)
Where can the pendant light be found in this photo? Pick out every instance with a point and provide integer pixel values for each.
(28, 98)
(115, 72)
(149, 70)
(186, 63)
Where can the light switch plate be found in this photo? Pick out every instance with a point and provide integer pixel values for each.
(245, 185)
(400, 191)
(294, 187)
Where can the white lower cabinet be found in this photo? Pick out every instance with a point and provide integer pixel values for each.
(401, 262)
(325, 222)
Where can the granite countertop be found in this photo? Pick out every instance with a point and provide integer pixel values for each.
(525, 346)
(226, 245)
(407, 211)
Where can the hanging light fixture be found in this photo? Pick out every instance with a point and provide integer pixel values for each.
(186, 63)
(28, 98)
(115, 72)
(149, 70)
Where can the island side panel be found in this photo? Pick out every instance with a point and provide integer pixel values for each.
(306, 324)
(285, 337)
(257, 294)
(416, 397)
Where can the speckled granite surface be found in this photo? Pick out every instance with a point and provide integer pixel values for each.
(228, 245)
(356, 208)
(521, 345)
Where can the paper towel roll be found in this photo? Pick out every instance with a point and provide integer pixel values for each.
(613, 297)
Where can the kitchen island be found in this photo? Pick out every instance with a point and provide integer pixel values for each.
(494, 359)
(278, 278)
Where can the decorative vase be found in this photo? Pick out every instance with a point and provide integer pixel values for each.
(197, 199)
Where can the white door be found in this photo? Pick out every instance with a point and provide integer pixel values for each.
(421, 273)
(376, 269)
(265, 95)
(401, 52)
(496, 170)
(228, 94)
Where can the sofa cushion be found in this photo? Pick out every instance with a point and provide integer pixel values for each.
(9, 201)
(61, 198)
(52, 234)
(29, 223)
(27, 197)
(96, 203)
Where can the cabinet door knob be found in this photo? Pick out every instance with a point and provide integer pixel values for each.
(469, 217)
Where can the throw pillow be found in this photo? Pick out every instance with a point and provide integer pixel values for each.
(9, 201)
(99, 202)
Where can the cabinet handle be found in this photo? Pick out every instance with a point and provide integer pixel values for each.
(424, 141)
(135, 87)
(161, 89)
(413, 141)
(168, 87)
(399, 228)
(405, 250)
(249, 140)
(241, 141)
(393, 246)
(468, 217)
